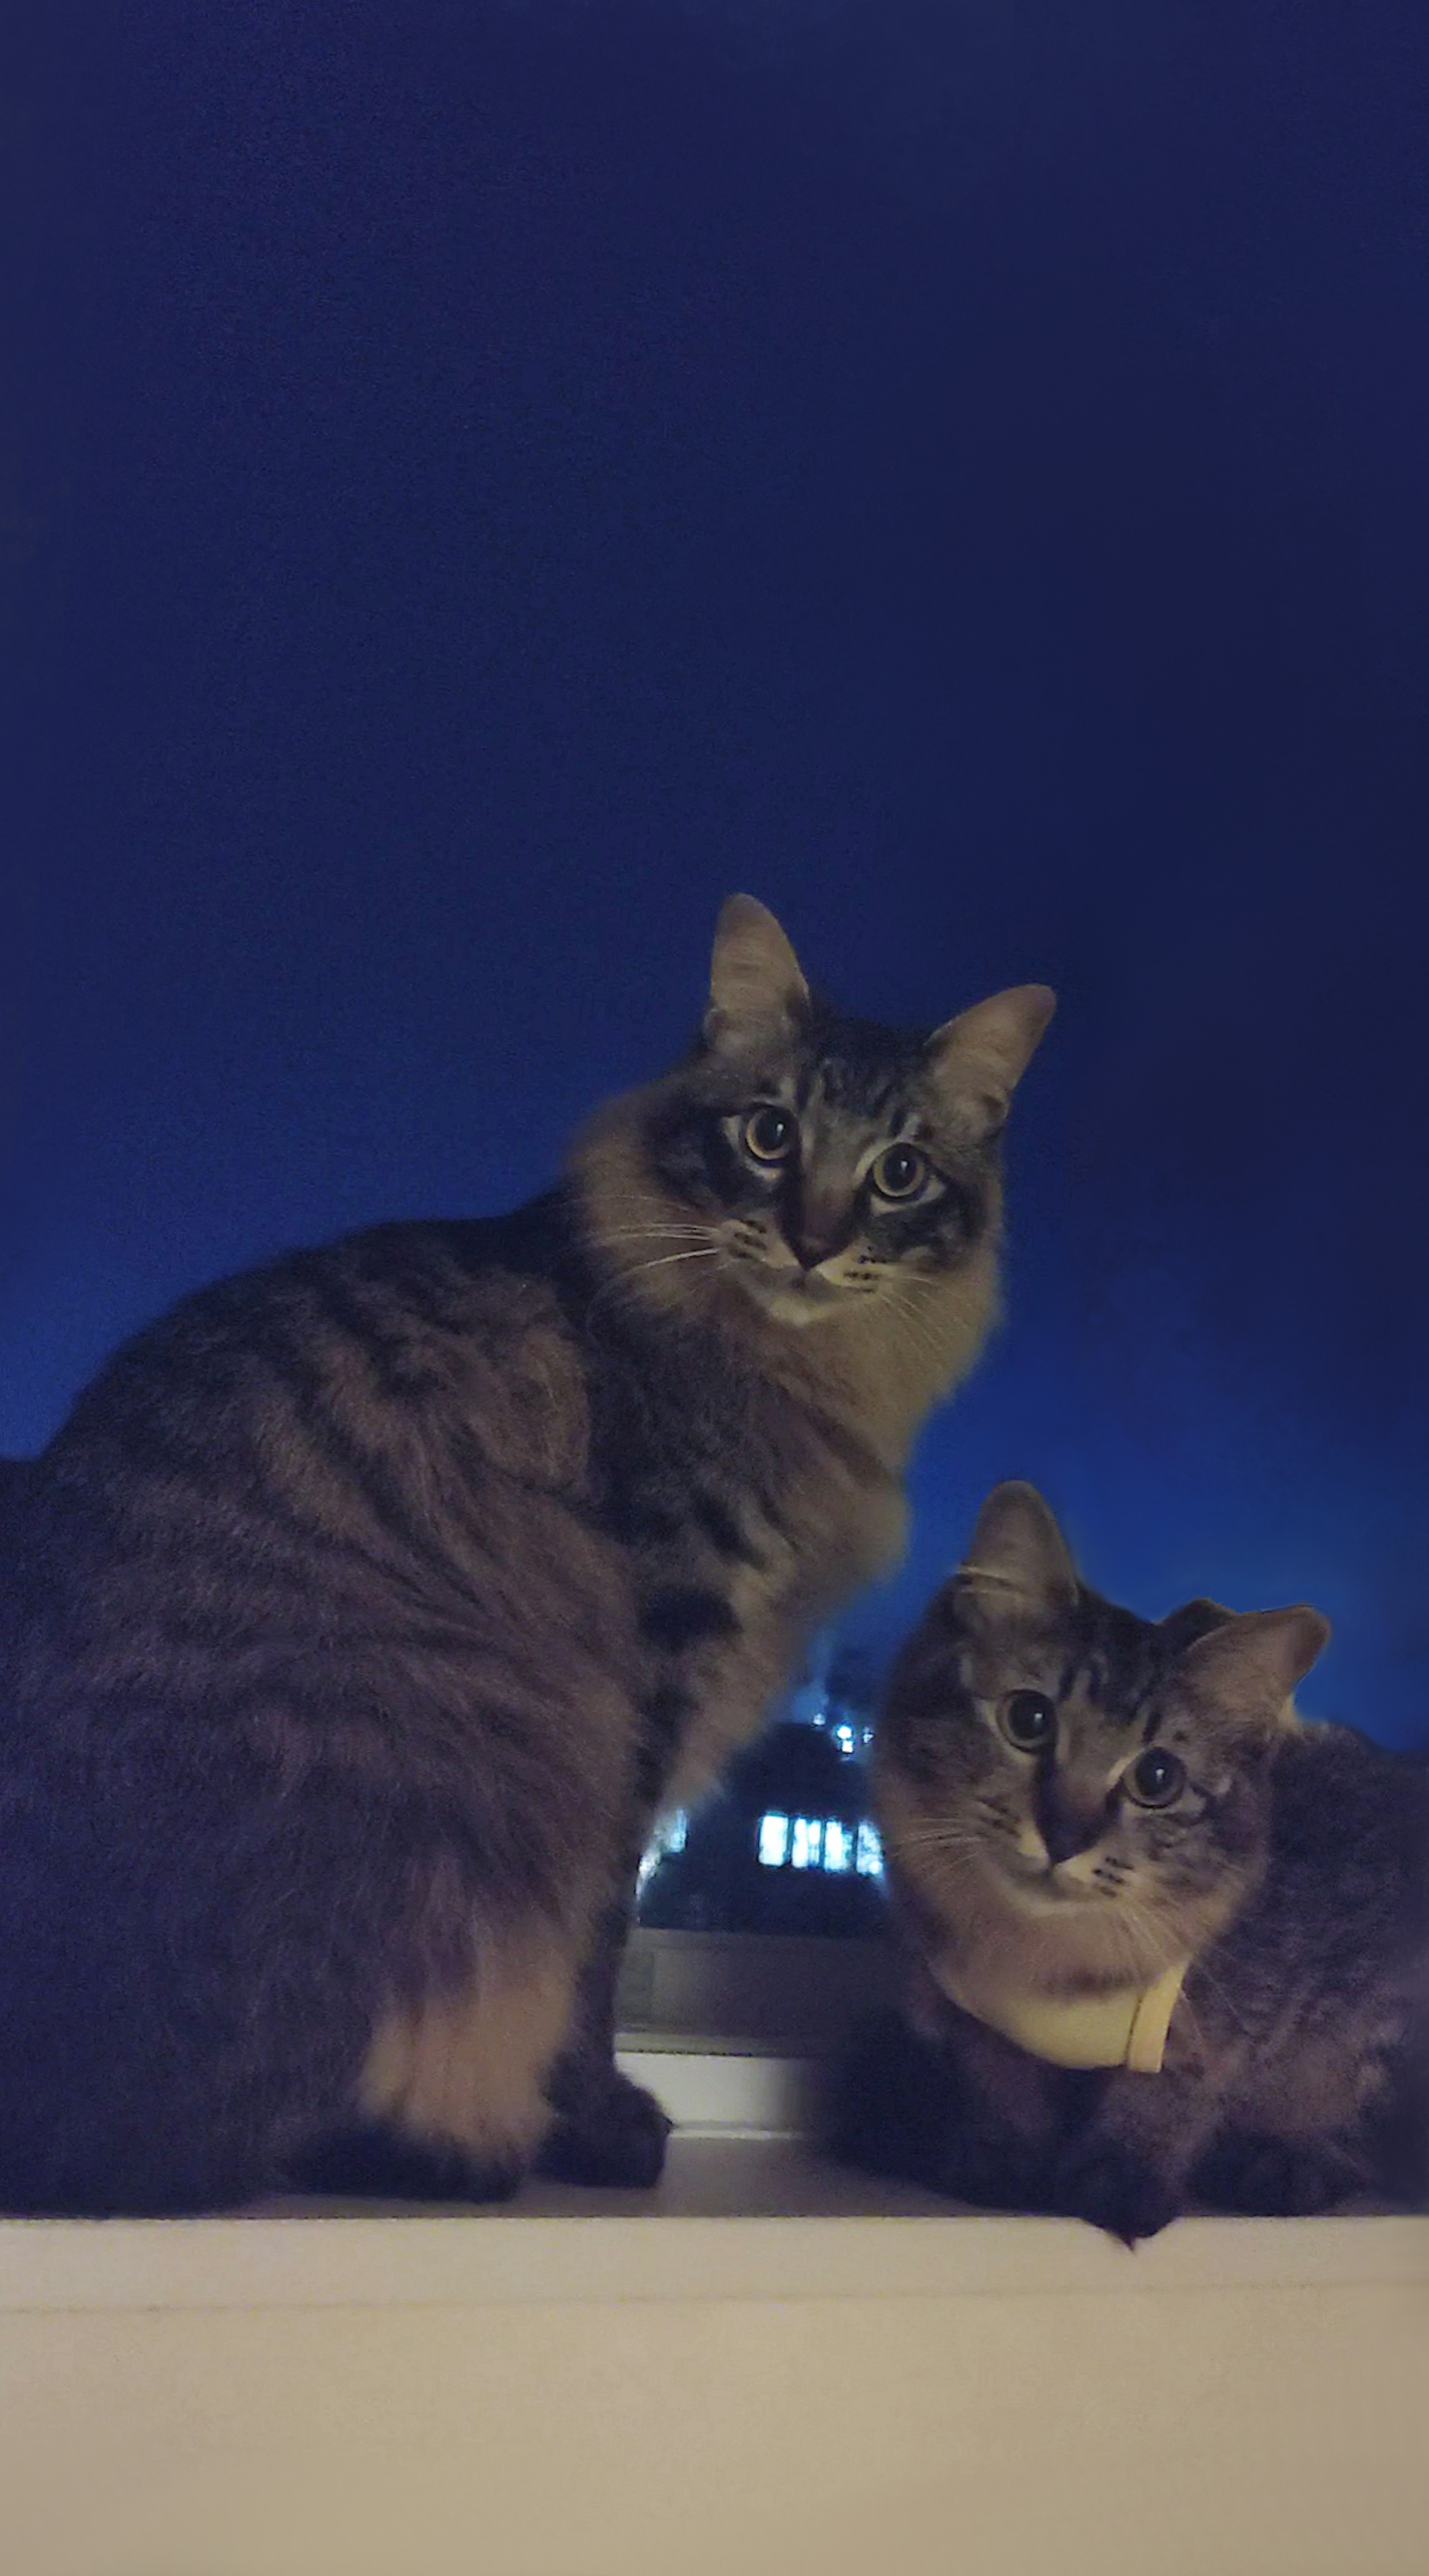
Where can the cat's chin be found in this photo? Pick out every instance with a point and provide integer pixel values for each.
(798, 1300)
(1042, 1892)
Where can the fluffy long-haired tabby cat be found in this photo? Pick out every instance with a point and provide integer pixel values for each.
(1164, 1940)
(364, 1611)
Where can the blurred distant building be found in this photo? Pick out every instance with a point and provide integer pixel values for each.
(786, 1845)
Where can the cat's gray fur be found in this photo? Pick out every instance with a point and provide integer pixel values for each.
(359, 1619)
(1291, 1869)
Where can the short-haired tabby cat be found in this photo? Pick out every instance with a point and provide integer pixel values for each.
(359, 1619)
(1076, 1805)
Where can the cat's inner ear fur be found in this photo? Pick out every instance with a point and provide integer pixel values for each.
(757, 987)
(978, 1059)
(1017, 1567)
(1250, 1665)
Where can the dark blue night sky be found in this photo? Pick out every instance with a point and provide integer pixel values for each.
(494, 479)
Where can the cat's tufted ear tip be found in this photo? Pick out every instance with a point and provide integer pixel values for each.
(1017, 1559)
(1312, 1631)
(980, 1057)
(756, 981)
(743, 913)
(1016, 1493)
(1037, 1004)
(1296, 1637)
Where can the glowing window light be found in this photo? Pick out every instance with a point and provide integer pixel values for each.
(669, 1838)
(773, 1841)
(806, 1847)
(868, 1854)
(846, 1740)
(838, 1846)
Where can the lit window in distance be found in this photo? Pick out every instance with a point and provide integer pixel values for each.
(773, 1841)
(808, 1844)
(838, 1846)
(869, 1853)
(671, 1836)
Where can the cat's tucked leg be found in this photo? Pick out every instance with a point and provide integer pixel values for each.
(451, 2102)
(369, 2161)
(607, 2130)
(936, 2099)
(1269, 2177)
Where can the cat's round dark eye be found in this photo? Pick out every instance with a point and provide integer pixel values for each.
(769, 1134)
(1156, 1778)
(1029, 1721)
(899, 1172)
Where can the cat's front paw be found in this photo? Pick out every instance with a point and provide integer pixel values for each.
(615, 2135)
(1116, 2190)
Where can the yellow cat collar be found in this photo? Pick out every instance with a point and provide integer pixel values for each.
(1127, 2027)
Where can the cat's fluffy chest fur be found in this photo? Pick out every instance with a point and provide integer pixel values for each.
(749, 1509)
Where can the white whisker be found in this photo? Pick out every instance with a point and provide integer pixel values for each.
(622, 1281)
(711, 1252)
(653, 1233)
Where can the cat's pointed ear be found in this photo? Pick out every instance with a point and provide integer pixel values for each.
(1018, 1566)
(979, 1058)
(756, 984)
(1250, 1665)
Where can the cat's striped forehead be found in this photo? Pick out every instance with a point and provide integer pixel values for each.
(860, 1067)
(1101, 1659)
(1110, 1661)
(856, 1071)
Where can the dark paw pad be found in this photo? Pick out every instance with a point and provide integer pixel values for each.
(614, 2136)
(1116, 2191)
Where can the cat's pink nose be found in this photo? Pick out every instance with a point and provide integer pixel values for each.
(818, 1226)
(1067, 1823)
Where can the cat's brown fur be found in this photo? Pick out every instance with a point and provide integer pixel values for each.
(366, 1609)
(1288, 1868)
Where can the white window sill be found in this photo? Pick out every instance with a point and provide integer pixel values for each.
(764, 2368)
(737, 2217)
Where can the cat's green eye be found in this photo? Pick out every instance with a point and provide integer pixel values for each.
(769, 1134)
(1029, 1722)
(899, 1172)
(1156, 1778)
